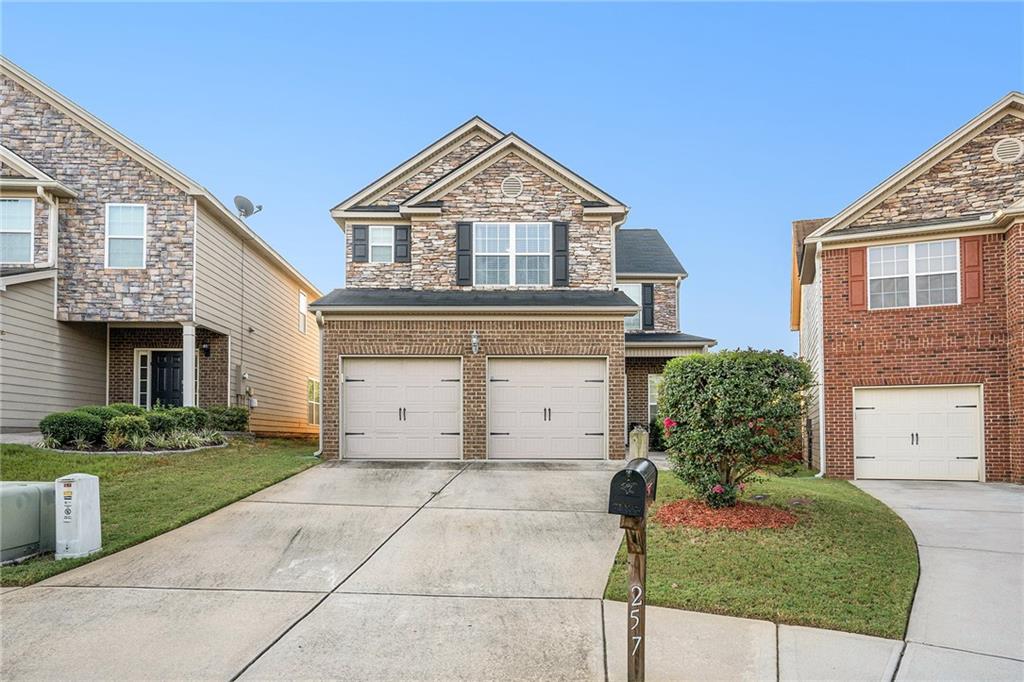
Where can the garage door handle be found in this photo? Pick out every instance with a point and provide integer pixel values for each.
(593, 381)
(493, 433)
(594, 434)
(967, 458)
(455, 380)
(354, 433)
(450, 433)
(863, 457)
(349, 381)
(966, 406)
(863, 408)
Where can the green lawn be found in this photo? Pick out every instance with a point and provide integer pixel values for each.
(144, 495)
(849, 563)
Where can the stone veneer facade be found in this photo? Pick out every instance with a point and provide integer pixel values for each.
(101, 173)
(212, 371)
(413, 336)
(951, 188)
(965, 343)
(446, 160)
(543, 199)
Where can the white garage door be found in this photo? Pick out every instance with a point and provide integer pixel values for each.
(546, 408)
(931, 432)
(401, 408)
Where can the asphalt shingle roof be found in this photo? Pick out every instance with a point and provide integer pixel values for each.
(669, 339)
(642, 251)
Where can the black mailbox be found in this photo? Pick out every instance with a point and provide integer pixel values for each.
(632, 486)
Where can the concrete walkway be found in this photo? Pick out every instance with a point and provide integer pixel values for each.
(967, 621)
(21, 438)
(462, 571)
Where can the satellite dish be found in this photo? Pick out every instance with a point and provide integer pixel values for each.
(245, 207)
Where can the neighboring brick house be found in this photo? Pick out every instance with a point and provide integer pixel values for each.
(488, 294)
(910, 308)
(114, 262)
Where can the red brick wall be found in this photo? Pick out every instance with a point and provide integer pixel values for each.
(498, 337)
(213, 371)
(1015, 328)
(637, 370)
(958, 344)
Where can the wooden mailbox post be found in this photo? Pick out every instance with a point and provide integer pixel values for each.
(632, 491)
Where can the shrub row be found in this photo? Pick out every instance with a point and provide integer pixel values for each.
(121, 424)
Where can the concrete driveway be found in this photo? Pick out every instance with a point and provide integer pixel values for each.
(967, 621)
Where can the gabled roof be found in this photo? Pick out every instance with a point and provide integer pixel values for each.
(410, 166)
(643, 251)
(1011, 103)
(28, 176)
(499, 150)
(172, 175)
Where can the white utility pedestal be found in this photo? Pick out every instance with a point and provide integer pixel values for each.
(78, 515)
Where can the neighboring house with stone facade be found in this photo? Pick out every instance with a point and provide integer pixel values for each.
(114, 264)
(493, 308)
(910, 308)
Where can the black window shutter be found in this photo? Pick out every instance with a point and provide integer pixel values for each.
(360, 244)
(402, 244)
(560, 255)
(648, 306)
(464, 254)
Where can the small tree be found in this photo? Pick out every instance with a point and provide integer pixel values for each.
(729, 414)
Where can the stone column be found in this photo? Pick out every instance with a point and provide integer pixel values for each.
(188, 364)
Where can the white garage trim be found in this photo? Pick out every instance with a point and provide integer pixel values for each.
(980, 434)
(487, 408)
(342, 454)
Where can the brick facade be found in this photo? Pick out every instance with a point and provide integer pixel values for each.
(955, 344)
(212, 371)
(1015, 346)
(543, 199)
(102, 173)
(451, 337)
(637, 370)
(968, 182)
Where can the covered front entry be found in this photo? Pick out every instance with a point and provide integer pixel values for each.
(401, 408)
(921, 432)
(546, 408)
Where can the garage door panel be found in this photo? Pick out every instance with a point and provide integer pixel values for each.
(402, 408)
(927, 432)
(546, 406)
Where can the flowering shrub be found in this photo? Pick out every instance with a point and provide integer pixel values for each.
(729, 414)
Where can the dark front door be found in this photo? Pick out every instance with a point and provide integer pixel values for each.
(167, 376)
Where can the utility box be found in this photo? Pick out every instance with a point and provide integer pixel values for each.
(26, 519)
(77, 515)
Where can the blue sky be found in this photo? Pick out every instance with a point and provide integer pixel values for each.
(717, 123)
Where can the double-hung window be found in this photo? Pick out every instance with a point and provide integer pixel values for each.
(16, 231)
(312, 401)
(512, 253)
(303, 309)
(126, 236)
(653, 384)
(635, 293)
(912, 275)
(382, 244)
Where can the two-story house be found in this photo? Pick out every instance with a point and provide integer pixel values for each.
(493, 308)
(910, 308)
(122, 280)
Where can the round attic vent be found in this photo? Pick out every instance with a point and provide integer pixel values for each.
(512, 186)
(1008, 150)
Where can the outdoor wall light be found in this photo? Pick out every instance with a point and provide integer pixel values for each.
(205, 347)
(474, 341)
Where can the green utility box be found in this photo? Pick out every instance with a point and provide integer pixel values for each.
(27, 519)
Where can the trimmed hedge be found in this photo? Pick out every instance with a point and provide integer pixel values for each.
(191, 418)
(102, 411)
(161, 421)
(128, 408)
(129, 425)
(66, 427)
(228, 418)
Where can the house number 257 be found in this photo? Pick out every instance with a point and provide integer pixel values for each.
(635, 605)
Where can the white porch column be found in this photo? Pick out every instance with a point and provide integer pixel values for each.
(188, 364)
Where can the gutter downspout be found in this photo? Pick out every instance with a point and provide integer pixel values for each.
(320, 439)
(821, 368)
(616, 224)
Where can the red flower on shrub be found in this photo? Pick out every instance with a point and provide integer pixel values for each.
(669, 425)
(718, 489)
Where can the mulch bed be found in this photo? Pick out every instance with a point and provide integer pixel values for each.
(743, 516)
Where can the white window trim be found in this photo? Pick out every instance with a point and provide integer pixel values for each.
(390, 243)
(107, 238)
(639, 315)
(303, 311)
(319, 404)
(511, 253)
(148, 352)
(912, 274)
(651, 399)
(31, 233)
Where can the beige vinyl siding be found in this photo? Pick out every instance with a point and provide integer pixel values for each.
(811, 352)
(238, 288)
(45, 365)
